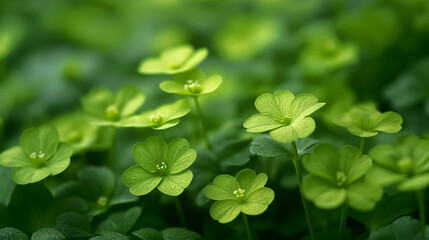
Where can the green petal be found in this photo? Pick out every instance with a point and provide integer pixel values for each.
(129, 99)
(176, 110)
(385, 155)
(166, 125)
(139, 181)
(173, 87)
(322, 192)
(283, 99)
(193, 74)
(96, 101)
(298, 129)
(61, 160)
(211, 84)
(389, 122)
(415, 183)
(44, 139)
(149, 153)
(176, 55)
(363, 196)
(323, 161)
(140, 121)
(215, 193)
(267, 105)
(249, 181)
(151, 66)
(383, 176)
(303, 105)
(421, 155)
(226, 182)
(174, 184)
(261, 123)
(196, 58)
(225, 211)
(29, 174)
(257, 202)
(179, 155)
(353, 163)
(357, 131)
(15, 157)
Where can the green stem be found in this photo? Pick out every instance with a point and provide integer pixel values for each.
(161, 132)
(422, 211)
(362, 144)
(203, 126)
(180, 211)
(246, 223)
(343, 220)
(112, 149)
(298, 170)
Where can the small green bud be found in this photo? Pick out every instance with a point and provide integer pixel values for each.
(157, 119)
(341, 178)
(102, 201)
(239, 193)
(38, 158)
(112, 112)
(286, 119)
(192, 86)
(406, 165)
(162, 168)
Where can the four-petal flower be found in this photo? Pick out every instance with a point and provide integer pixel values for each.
(284, 115)
(39, 155)
(244, 193)
(160, 165)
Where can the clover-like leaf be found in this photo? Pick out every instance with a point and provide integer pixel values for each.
(244, 193)
(111, 236)
(192, 83)
(167, 234)
(40, 155)
(366, 121)
(284, 115)
(74, 225)
(160, 165)
(12, 233)
(47, 234)
(163, 117)
(106, 109)
(120, 222)
(336, 177)
(404, 164)
(402, 228)
(174, 60)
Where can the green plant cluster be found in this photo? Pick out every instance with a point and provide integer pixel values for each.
(214, 120)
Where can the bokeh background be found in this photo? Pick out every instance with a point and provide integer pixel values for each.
(343, 51)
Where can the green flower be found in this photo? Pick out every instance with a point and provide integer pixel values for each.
(337, 177)
(160, 165)
(106, 109)
(192, 83)
(161, 118)
(174, 60)
(405, 164)
(39, 155)
(366, 121)
(244, 193)
(284, 115)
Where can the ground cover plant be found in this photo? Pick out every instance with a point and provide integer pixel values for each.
(183, 120)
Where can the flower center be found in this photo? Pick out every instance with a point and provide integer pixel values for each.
(192, 86)
(162, 168)
(406, 165)
(112, 112)
(341, 178)
(157, 119)
(239, 193)
(286, 119)
(102, 201)
(38, 158)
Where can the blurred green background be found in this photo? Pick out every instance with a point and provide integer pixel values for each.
(342, 51)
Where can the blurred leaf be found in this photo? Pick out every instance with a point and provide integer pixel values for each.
(402, 228)
(387, 210)
(179, 234)
(6, 184)
(74, 225)
(47, 234)
(120, 222)
(111, 236)
(10, 233)
(148, 234)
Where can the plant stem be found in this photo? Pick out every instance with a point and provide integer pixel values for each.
(246, 223)
(203, 126)
(362, 144)
(161, 132)
(297, 163)
(180, 211)
(343, 220)
(422, 211)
